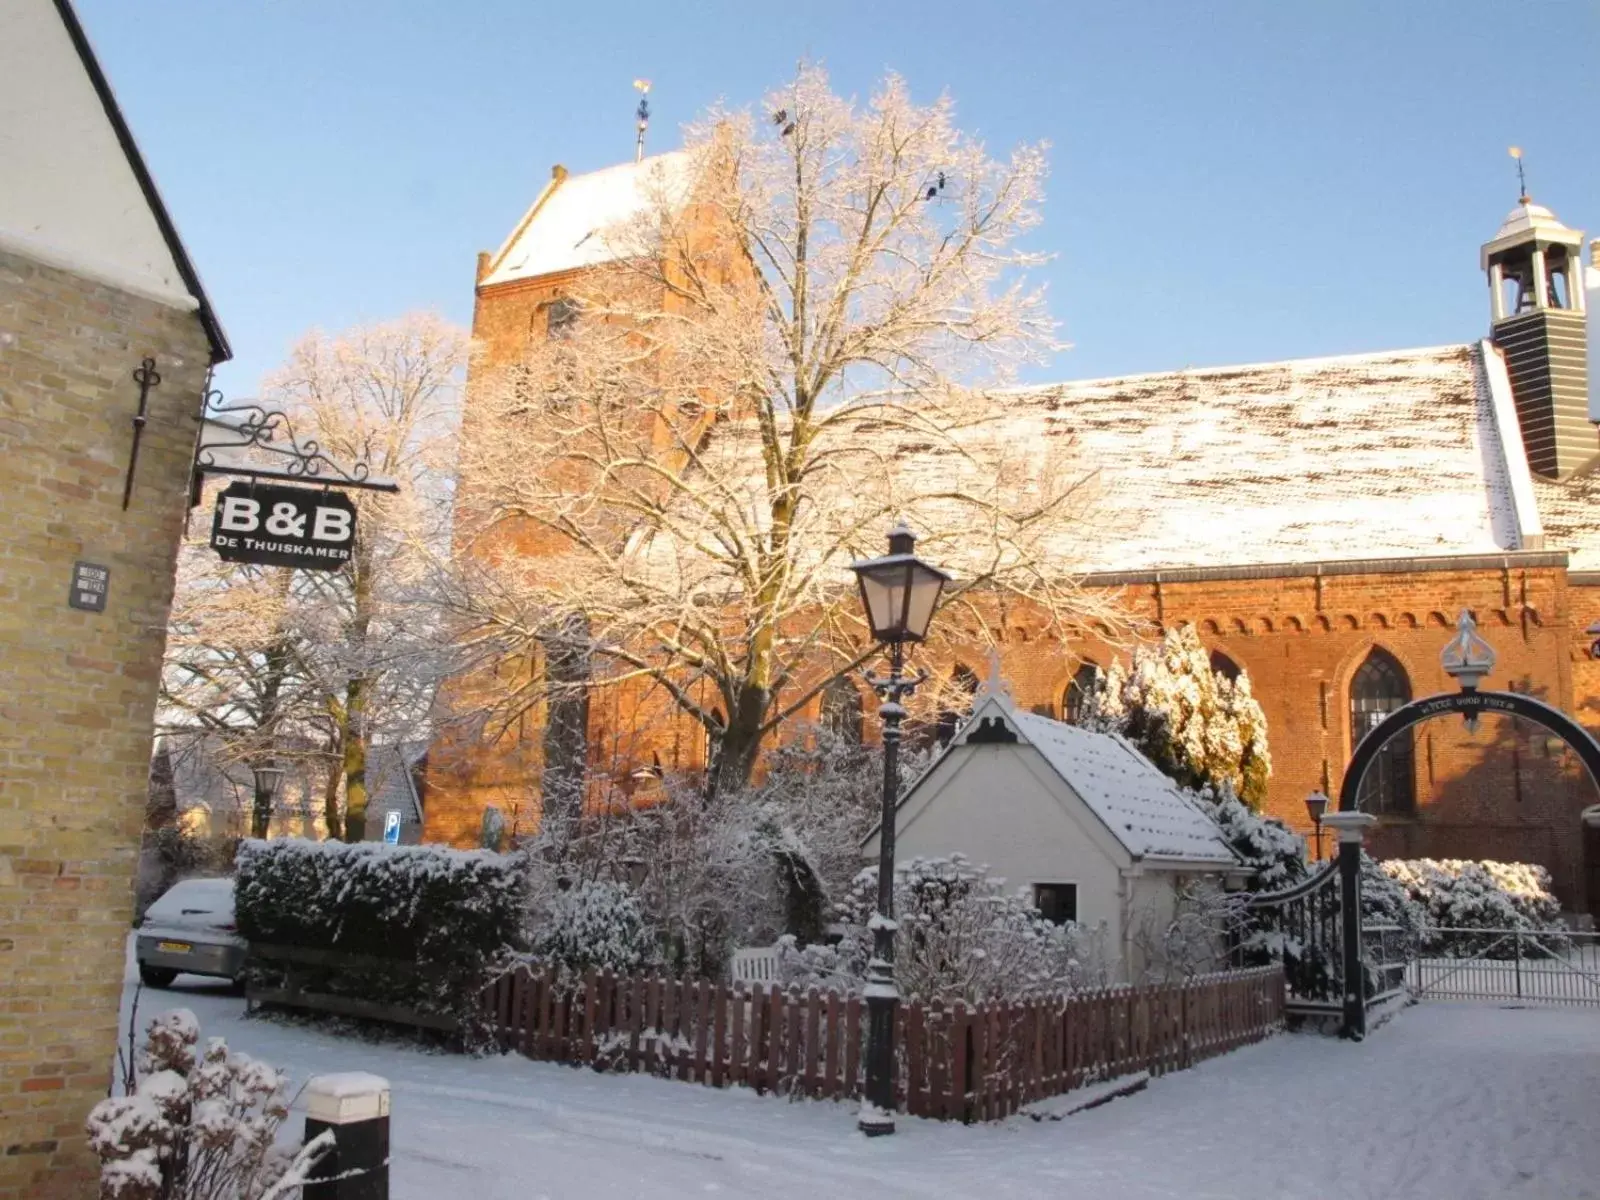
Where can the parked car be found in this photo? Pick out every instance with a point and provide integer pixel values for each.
(190, 929)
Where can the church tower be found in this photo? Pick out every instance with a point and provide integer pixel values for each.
(1537, 304)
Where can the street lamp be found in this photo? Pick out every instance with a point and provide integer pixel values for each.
(1467, 658)
(899, 593)
(269, 776)
(1316, 805)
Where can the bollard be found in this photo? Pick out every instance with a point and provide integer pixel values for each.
(355, 1106)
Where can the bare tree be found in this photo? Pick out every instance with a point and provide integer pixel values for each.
(788, 352)
(278, 660)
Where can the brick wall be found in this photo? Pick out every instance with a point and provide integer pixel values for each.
(77, 689)
(1506, 791)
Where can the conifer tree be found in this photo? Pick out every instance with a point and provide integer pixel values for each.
(1197, 725)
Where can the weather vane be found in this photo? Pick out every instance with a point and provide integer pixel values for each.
(643, 115)
(1522, 180)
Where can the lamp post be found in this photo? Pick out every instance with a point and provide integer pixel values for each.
(1316, 805)
(899, 593)
(269, 776)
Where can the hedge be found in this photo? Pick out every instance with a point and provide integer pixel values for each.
(446, 920)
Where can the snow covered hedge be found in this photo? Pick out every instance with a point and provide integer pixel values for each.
(453, 915)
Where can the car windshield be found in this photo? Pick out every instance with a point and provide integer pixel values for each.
(194, 898)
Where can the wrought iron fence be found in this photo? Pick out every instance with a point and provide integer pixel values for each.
(1556, 967)
(1299, 927)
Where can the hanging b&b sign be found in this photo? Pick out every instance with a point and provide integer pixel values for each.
(284, 527)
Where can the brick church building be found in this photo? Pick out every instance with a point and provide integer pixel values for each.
(1321, 522)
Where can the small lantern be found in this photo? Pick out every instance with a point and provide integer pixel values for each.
(1316, 805)
(268, 779)
(899, 591)
(1467, 658)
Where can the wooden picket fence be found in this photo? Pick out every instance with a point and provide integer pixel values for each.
(957, 1062)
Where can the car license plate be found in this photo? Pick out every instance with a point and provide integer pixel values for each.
(174, 947)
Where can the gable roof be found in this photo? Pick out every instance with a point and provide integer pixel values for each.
(1399, 455)
(1386, 455)
(50, 131)
(1138, 805)
(568, 225)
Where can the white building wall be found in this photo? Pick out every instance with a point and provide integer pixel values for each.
(1004, 807)
(67, 194)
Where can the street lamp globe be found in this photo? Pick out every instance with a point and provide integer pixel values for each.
(898, 590)
(268, 779)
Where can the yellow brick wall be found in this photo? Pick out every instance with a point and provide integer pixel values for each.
(77, 689)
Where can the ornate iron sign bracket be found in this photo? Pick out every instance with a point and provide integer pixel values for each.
(260, 429)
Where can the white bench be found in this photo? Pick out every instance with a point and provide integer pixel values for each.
(756, 965)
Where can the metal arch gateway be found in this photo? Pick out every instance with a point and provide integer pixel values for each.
(1468, 703)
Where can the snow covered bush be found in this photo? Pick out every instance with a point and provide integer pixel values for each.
(445, 919)
(196, 1123)
(596, 924)
(961, 936)
(1275, 853)
(1191, 940)
(1197, 726)
(738, 868)
(1460, 894)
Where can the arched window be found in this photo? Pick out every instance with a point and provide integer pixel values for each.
(963, 683)
(840, 711)
(1378, 688)
(1224, 666)
(1077, 692)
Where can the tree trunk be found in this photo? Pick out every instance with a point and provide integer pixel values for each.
(740, 745)
(355, 761)
(332, 820)
(357, 693)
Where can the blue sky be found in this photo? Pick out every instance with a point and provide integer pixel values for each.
(1231, 182)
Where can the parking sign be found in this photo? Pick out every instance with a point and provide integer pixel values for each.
(391, 827)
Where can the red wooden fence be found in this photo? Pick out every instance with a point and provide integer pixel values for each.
(957, 1061)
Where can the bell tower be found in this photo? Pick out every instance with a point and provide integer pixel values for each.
(1538, 319)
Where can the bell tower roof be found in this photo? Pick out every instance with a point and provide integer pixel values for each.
(1528, 223)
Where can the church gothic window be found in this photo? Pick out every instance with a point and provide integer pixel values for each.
(1378, 688)
(1224, 666)
(1078, 690)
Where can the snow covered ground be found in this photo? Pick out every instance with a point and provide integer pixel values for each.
(1446, 1102)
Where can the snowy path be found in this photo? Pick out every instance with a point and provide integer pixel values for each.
(1447, 1102)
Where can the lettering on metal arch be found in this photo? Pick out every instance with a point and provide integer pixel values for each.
(283, 527)
(1466, 703)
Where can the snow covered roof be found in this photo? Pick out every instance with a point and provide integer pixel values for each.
(1571, 514)
(1393, 454)
(573, 222)
(1397, 454)
(1138, 805)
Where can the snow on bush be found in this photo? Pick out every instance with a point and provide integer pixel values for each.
(595, 924)
(196, 1123)
(739, 868)
(1460, 894)
(1274, 852)
(1197, 726)
(961, 936)
(445, 918)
